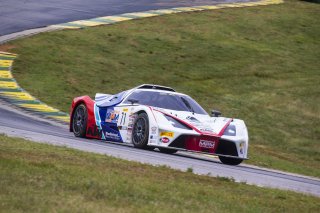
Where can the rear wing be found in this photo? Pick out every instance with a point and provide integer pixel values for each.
(153, 86)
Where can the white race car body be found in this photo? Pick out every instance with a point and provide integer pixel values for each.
(174, 121)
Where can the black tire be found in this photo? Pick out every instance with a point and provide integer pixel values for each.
(167, 151)
(79, 121)
(140, 131)
(230, 161)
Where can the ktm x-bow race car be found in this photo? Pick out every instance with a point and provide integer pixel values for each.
(153, 116)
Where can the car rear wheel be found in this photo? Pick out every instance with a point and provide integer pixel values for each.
(167, 151)
(79, 121)
(140, 132)
(230, 161)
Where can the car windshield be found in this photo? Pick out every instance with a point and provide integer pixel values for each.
(165, 100)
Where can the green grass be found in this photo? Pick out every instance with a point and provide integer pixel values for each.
(42, 178)
(260, 64)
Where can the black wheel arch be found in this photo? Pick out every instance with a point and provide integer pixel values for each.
(141, 111)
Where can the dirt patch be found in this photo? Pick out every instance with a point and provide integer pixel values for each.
(7, 47)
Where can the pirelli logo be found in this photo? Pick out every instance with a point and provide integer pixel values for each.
(167, 134)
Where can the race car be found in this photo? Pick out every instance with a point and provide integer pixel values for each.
(153, 116)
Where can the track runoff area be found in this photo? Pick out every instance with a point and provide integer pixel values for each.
(11, 92)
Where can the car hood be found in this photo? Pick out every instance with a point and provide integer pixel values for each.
(203, 123)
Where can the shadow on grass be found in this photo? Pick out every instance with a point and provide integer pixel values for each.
(311, 1)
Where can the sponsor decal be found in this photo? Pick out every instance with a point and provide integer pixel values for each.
(207, 129)
(110, 129)
(131, 120)
(154, 130)
(153, 136)
(112, 135)
(153, 141)
(122, 127)
(112, 116)
(206, 144)
(167, 134)
(129, 134)
(165, 140)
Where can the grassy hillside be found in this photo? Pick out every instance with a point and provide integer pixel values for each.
(260, 64)
(43, 178)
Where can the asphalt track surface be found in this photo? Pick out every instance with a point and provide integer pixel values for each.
(16, 123)
(19, 15)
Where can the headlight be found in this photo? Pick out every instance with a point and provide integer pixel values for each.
(176, 123)
(230, 130)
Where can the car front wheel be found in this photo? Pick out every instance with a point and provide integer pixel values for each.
(140, 132)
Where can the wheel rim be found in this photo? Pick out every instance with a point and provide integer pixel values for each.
(78, 120)
(139, 132)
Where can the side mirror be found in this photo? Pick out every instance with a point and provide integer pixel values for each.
(133, 101)
(215, 113)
